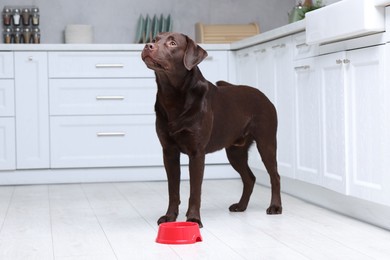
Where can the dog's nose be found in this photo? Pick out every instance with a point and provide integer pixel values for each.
(149, 46)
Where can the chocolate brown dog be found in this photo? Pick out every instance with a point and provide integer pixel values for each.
(195, 117)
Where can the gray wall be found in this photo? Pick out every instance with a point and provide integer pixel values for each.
(115, 21)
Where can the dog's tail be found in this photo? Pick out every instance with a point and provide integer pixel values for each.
(224, 83)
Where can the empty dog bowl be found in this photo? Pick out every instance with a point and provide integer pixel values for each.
(178, 233)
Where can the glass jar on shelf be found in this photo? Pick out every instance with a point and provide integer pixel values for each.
(36, 36)
(7, 16)
(17, 35)
(26, 35)
(26, 16)
(35, 16)
(7, 35)
(16, 17)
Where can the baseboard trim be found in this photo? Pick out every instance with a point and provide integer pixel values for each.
(363, 210)
(85, 175)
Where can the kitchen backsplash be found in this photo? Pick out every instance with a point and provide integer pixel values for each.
(115, 21)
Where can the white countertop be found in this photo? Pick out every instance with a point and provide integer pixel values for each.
(262, 37)
(382, 2)
(270, 35)
(92, 47)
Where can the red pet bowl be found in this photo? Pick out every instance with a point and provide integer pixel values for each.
(178, 233)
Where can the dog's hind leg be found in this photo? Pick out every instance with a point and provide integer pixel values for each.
(238, 158)
(267, 150)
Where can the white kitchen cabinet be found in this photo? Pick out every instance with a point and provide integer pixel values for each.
(342, 122)
(7, 97)
(215, 66)
(104, 141)
(282, 76)
(102, 111)
(308, 141)
(301, 49)
(7, 143)
(7, 112)
(369, 123)
(246, 67)
(110, 88)
(6, 65)
(32, 110)
(247, 74)
(333, 121)
(320, 121)
(268, 67)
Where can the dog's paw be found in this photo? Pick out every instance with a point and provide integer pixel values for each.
(165, 219)
(196, 221)
(274, 210)
(236, 207)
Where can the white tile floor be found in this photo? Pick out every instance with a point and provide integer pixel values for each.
(118, 221)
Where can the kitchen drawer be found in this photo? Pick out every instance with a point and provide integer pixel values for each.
(111, 141)
(102, 96)
(7, 97)
(302, 49)
(97, 65)
(7, 144)
(6, 65)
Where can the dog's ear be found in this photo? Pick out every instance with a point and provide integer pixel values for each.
(193, 55)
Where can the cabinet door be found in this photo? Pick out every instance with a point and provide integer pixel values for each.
(247, 74)
(215, 66)
(368, 96)
(333, 124)
(308, 144)
(246, 68)
(273, 76)
(7, 143)
(6, 65)
(283, 79)
(32, 110)
(7, 97)
(265, 68)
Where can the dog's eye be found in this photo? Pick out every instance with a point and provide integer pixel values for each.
(154, 41)
(172, 43)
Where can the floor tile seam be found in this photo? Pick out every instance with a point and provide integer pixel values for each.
(303, 254)
(51, 221)
(139, 213)
(7, 210)
(326, 235)
(98, 220)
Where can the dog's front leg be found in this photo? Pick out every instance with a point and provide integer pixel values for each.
(196, 179)
(172, 168)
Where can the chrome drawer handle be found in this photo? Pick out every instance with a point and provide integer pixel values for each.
(301, 45)
(109, 66)
(209, 58)
(110, 97)
(261, 51)
(305, 67)
(108, 134)
(279, 46)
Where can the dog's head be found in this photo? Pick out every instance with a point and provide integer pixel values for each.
(172, 52)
